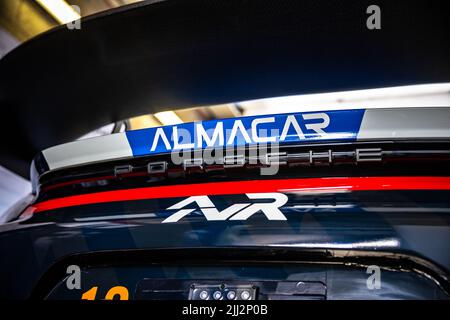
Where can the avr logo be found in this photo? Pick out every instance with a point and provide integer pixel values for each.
(237, 211)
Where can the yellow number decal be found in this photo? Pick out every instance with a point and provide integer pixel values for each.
(90, 294)
(121, 291)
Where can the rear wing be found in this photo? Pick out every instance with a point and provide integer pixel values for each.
(313, 129)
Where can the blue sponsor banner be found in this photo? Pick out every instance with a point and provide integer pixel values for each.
(342, 125)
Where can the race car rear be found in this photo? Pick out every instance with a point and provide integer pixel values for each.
(347, 204)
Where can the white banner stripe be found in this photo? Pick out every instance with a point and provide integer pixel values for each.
(408, 123)
(394, 123)
(109, 147)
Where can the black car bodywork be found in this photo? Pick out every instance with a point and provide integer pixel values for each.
(321, 251)
(173, 54)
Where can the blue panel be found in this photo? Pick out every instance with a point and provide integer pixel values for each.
(342, 125)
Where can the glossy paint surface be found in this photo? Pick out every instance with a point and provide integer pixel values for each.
(415, 223)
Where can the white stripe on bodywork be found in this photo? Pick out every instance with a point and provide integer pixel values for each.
(108, 147)
(410, 123)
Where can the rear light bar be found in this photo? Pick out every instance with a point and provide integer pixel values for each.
(162, 167)
(334, 184)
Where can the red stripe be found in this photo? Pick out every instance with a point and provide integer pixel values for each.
(255, 186)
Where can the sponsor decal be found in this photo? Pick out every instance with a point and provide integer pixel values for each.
(280, 128)
(237, 211)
